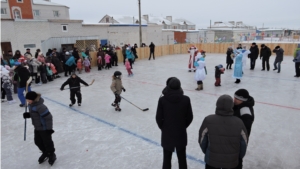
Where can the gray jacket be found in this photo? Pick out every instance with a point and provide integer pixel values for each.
(279, 54)
(35, 64)
(223, 137)
(40, 115)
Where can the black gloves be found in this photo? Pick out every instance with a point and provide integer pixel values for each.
(124, 90)
(50, 131)
(26, 115)
(61, 89)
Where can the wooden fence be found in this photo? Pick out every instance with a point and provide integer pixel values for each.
(143, 53)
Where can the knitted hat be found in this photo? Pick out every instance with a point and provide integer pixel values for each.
(277, 47)
(253, 43)
(31, 95)
(241, 94)
(169, 79)
(174, 84)
(262, 45)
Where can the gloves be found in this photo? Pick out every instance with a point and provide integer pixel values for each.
(87, 85)
(26, 115)
(124, 90)
(50, 131)
(61, 89)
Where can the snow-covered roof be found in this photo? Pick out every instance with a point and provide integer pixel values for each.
(43, 2)
(159, 20)
(181, 21)
(223, 24)
(123, 19)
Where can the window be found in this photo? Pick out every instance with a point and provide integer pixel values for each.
(17, 14)
(36, 12)
(29, 46)
(20, 1)
(56, 13)
(3, 11)
(107, 20)
(64, 28)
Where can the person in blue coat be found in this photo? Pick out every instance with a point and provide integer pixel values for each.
(70, 63)
(129, 56)
(238, 67)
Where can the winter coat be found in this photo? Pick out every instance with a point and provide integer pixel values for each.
(218, 72)
(22, 74)
(254, 52)
(297, 54)
(245, 57)
(41, 59)
(245, 112)
(84, 55)
(49, 71)
(200, 72)
(127, 65)
(222, 136)
(265, 52)
(7, 59)
(74, 82)
(229, 60)
(76, 55)
(71, 61)
(116, 86)
(56, 62)
(152, 47)
(99, 60)
(86, 62)
(35, 64)
(107, 58)
(40, 115)
(238, 66)
(279, 55)
(173, 116)
(53, 68)
(79, 64)
(129, 54)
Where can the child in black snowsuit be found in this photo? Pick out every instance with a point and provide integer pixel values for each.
(43, 126)
(218, 71)
(74, 84)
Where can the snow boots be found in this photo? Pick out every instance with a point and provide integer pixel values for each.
(200, 87)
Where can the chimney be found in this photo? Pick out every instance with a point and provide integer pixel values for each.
(232, 22)
(169, 18)
(146, 17)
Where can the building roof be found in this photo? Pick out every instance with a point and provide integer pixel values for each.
(158, 20)
(123, 19)
(181, 21)
(43, 2)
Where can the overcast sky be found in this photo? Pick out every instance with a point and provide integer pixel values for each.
(271, 13)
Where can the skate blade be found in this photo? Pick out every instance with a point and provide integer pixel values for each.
(44, 160)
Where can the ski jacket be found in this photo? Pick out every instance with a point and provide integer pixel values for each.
(74, 82)
(116, 86)
(279, 55)
(245, 112)
(22, 74)
(222, 136)
(173, 116)
(40, 115)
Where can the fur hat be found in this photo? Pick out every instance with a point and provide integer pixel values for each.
(174, 84)
(31, 95)
(40, 53)
(241, 94)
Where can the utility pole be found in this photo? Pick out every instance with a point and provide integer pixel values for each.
(140, 23)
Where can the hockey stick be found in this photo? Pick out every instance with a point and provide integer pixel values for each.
(26, 105)
(135, 105)
(81, 86)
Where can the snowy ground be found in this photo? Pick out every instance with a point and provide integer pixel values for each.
(96, 136)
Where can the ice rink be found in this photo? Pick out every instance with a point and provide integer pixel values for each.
(96, 136)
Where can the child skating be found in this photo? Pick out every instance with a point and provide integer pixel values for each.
(42, 121)
(117, 88)
(128, 68)
(74, 84)
(218, 71)
(200, 73)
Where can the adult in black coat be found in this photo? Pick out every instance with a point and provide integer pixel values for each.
(173, 116)
(265, 53)
(229, 60)
(74, 84)
(133, 49)
(152, 49)
(253, 55)
(75, 54)
(56, 62)
(21, 76)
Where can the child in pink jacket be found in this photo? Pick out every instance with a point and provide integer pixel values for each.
(128, 68)
(107, 61)
(87, 65)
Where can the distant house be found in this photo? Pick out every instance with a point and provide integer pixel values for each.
(122, 19)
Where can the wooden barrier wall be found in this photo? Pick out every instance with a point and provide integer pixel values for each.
(143, 53)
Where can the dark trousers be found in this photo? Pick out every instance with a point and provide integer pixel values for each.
(37, 78)
(152, 54)
(107, 66)
(252, 62)
(199, 82)
(130, 61)
(265, 61)
(78, 95)
(124, 57)
(117, 99)
(181, 155)
(240, 165)
(116, 61)
(218, 81)
(43, 140)
(68, 69)
(228, 66)
(99, 66)
(3, 93)
(297, 68)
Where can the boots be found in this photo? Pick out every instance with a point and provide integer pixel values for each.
(200, 87)
(52, 158)
(43, 158)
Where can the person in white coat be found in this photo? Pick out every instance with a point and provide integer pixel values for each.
(245, 53)
(200, 73)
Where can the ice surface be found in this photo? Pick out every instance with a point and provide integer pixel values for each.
(96, 136)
